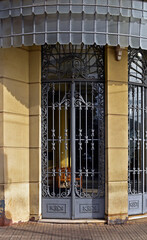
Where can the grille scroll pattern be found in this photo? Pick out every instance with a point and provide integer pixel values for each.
(137, 178)
(63, 66)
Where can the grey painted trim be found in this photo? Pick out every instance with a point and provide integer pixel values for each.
(129, 8)
(96, 28)
(135, 204)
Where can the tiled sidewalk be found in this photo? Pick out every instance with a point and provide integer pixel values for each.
(133, 230)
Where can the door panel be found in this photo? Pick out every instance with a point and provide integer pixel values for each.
(89, 208)
(72, 131)
(73, 150)
(56, 208)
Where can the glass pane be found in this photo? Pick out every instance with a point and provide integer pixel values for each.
(72, 62)
(137, 122)
(89, 139)
(59, 160)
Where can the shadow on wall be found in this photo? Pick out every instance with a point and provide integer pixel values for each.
(17, 76)
(14, 70)
(16, 90)
(17, 95)
(4, 221)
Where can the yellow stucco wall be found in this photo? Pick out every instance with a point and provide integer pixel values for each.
(35, 132)
(116, 116)
(20, 132)
(14, 145)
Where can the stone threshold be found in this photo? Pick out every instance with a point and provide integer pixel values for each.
(69, 221)
(135, 217)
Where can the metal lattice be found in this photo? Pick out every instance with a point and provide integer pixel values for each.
(73, 122)
(137, 178)
(60, 62)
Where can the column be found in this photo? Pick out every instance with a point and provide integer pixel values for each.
(14, 135)
(35, 131)
(116, 118)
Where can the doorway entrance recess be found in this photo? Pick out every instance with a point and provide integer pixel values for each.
(73, 131)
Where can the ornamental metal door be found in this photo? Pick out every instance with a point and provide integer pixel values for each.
(137, 178)
(72, 133)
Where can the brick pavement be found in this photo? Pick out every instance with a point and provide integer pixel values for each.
(134, 230)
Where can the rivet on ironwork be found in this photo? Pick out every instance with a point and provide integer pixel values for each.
(138, 145)
(86, 172)
(138, 171)
(138, 133)
(59, 172)
(134, 171)
(86, 106)
(53, 146)
(66, 132)
(80, 132)
(53, 173)
(92, 172)
(59, 139)
(92, 134)
(59, 106)
(66, 105)
(92, 146)
(80, 172)
(66, 146)
(86, 139)
(80, 146)
(53, 132)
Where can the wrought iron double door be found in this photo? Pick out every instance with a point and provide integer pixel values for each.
(73, 149)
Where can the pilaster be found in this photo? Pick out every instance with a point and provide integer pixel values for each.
(116, 118)
(35, 131)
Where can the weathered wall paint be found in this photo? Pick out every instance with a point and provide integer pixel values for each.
(116, 152)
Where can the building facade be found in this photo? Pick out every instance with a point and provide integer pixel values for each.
(73, 107)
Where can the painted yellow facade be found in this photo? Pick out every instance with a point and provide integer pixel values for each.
(20, 134)
(116, 119)
(20, 91)
(35, 131)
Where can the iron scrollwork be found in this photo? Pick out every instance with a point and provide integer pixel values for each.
(84, 64)
(72, 62)
(44, 154)
(137, 92)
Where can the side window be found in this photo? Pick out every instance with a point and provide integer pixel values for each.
(137, 126)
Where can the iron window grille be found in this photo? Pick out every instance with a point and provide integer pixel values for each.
(63, 65)
(137, 107)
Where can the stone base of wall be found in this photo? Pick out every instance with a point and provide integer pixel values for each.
(117, 219)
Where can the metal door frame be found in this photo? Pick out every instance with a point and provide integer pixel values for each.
(73, 149)
(137, 199)
(66, 206)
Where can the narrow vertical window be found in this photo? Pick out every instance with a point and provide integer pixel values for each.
(137, 104)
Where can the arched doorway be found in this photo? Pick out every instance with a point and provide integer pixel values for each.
(137, 168)
(73, 131)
